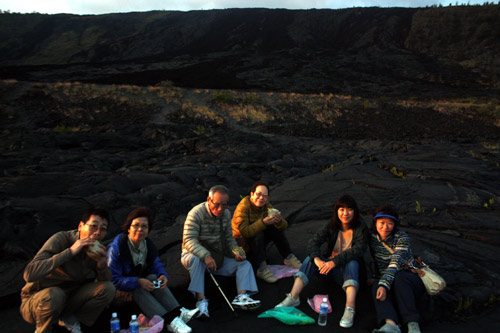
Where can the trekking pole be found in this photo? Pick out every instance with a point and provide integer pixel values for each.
(228, 303)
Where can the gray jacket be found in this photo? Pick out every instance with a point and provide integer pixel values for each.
(202, 229)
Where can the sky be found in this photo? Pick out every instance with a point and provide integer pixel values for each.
(115, 6)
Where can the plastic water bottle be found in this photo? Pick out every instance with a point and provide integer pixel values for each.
(133, 326)
(323, 312)
(115, 323)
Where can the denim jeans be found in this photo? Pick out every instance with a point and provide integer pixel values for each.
(245, 278)
(345, 276)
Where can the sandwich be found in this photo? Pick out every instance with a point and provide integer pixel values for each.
(272, 211)
(95, 249)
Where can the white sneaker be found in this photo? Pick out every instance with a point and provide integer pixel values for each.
(387, 328)
(292, 261)
(186, 314)
(71, 323)
(413, 327)
(289, 301)
(347, 318)
(178, 326)
(266, 275)
(203, 308)
(245, 302)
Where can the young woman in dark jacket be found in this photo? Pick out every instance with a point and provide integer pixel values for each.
(346, 237)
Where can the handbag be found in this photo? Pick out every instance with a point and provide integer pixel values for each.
(433, 282)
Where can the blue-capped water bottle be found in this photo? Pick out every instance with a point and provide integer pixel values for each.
(114, 323)
(133, 326)
(323, 312)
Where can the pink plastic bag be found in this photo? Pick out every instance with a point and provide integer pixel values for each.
(316, 301)
(155, 325)
(282, 271)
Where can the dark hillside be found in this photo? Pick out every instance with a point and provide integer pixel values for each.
(432, 52)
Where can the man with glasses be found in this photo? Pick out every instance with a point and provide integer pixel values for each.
(207, 242)
(256, 224)
(68, 280)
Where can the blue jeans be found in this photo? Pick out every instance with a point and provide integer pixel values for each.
(245, 278)
(345, 276)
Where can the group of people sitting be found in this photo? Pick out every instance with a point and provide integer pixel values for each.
(73, 277)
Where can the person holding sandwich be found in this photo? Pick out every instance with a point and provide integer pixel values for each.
(68, 281)
(255, 224)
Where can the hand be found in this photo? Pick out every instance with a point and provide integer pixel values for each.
(163, 280)
(318, 262)
(80, 244)
(381, 294)
(327, 267)
(100, 256)
(270, 220)
(146, 284)
(238, 258)
(210, 262)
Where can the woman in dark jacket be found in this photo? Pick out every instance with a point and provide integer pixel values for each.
(136, 267)
(346, 237)
(396, 286)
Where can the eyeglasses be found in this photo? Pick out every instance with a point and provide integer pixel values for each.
(97, 227)
(261, 195)
(218, 205)
(137, 226)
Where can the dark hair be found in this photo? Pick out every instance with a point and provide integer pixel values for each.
(95, 210)
(259, 183)
(346, 201)
(385, 210)
(138, 212)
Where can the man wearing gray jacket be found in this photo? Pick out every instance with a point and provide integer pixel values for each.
(208, 242)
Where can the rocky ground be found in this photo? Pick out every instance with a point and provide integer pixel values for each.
(66, 146)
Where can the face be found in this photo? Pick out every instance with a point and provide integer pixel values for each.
(345, 215)
(218, 203)
(385, 226)
(95, 228)
(259, 197)
(138, 230)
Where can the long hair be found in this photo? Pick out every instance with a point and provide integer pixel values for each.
(345, 201)
(385, 211)
(138, 212)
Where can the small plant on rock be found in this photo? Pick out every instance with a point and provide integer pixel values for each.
(419, 208)
(199, 130)
(397, 173)
(489, 203)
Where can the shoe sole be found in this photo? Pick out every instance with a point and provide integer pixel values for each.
(345, 325)
(170, 329)
(247, 307)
